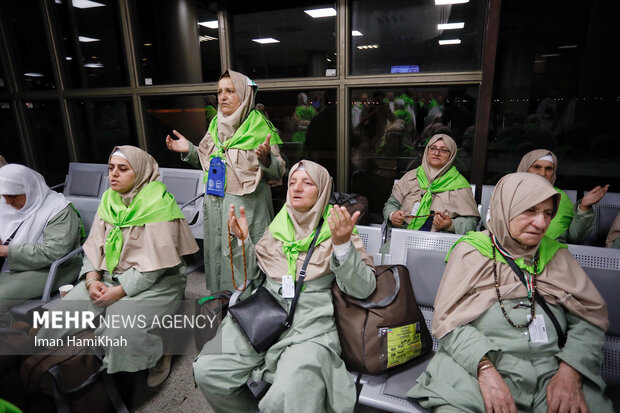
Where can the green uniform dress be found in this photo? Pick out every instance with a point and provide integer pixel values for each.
(144, 346)
(304, 366)
(258, 209)
(30, 262)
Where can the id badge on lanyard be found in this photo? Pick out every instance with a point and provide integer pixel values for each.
(217, 177)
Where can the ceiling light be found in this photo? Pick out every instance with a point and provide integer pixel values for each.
(266, 40)
(450, 26)
(449, 41)
(32, 74)
(317, 13)
(68, 58)
(148, 44)
(206, 38)
(356, 33)
(444, 2)
(86, 4)
(94, 65)
(550, 55)
(212, 24)
(568, 46)
(85, 39)
(368, 46)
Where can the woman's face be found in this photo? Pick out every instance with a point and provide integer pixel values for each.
(438, 154)
(120, 174)
(303, 193)
(542, 168)
(529, 227)
(227, 97)
(16, 201)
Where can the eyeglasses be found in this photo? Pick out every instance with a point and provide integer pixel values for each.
(442, 150)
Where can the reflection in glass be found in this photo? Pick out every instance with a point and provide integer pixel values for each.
(390, 128)
(177, 41)
(100, 125)
(559, 94)
(401, 36)
(48, 140)
(28, 44)
(283, 42)
(91, 43)
(10, 143)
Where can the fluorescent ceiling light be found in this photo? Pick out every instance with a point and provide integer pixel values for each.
(33, 74)
(449, 41)
(85, 39)
(444, 2)
(317, 13)
(210, 24)
(148, 44)
(206, 38)
(356, 33)
(266, 40)
(550, 55)
(68, 58)
(450, 26)
(86, 4)
(368, 46)
(95, 65)
(568, 46)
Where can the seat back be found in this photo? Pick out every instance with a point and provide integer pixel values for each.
(84, 185)
(606, 211)
(405, 239)
(571, 194)
(372, 238)
(186, 185)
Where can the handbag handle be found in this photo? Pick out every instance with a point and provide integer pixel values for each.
(302, 275)
(539, 298)
(385, 301)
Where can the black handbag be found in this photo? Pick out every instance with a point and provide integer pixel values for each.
(261, 318)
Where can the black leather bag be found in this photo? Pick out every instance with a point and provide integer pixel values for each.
(261, 318)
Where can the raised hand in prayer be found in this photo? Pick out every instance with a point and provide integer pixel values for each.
(593, 197)
(238, 226)
(564, 391)
(177, 145)
(264, 152)
(495, 392)
(341, 224)
(397, 218)
(442, 221)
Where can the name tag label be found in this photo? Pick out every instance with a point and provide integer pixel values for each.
(538, 329)
(217, 177)
(288, 286)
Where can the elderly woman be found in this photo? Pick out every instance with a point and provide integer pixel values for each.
(134, 253)
(613, 237)
(434, 196)
(572, 223)
(499, 350)
(241, 159)
(37, 227)
(304, 366)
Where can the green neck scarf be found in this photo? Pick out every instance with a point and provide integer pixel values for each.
(151, 204)
(482, 242)
(249, 135)
(561, 221)
(282, 229)
(305, 112)
(407, 100)
(449, 181)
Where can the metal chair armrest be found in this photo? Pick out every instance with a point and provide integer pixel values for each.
(51, 276)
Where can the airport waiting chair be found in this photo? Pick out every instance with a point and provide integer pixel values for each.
(606, 211)
(84, 185)
(372, 237)
(187, 187)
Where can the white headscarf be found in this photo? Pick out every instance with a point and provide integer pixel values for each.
(41, 205)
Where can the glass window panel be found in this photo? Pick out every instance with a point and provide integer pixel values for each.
(100, 125)
(28, 45)
(401, 36)
(10, 142)
(48, 140)
(305, 46)
(90, 42)
(389, 130)
(172, 51)
(555, 89)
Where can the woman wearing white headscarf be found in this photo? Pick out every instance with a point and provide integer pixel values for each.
(436, 187)
(572, 223)
(499, 350)
(242, 144)
(304, 366)
(37, 227)
(133, 254)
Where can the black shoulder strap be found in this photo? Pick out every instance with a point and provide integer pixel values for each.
(541, 301)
